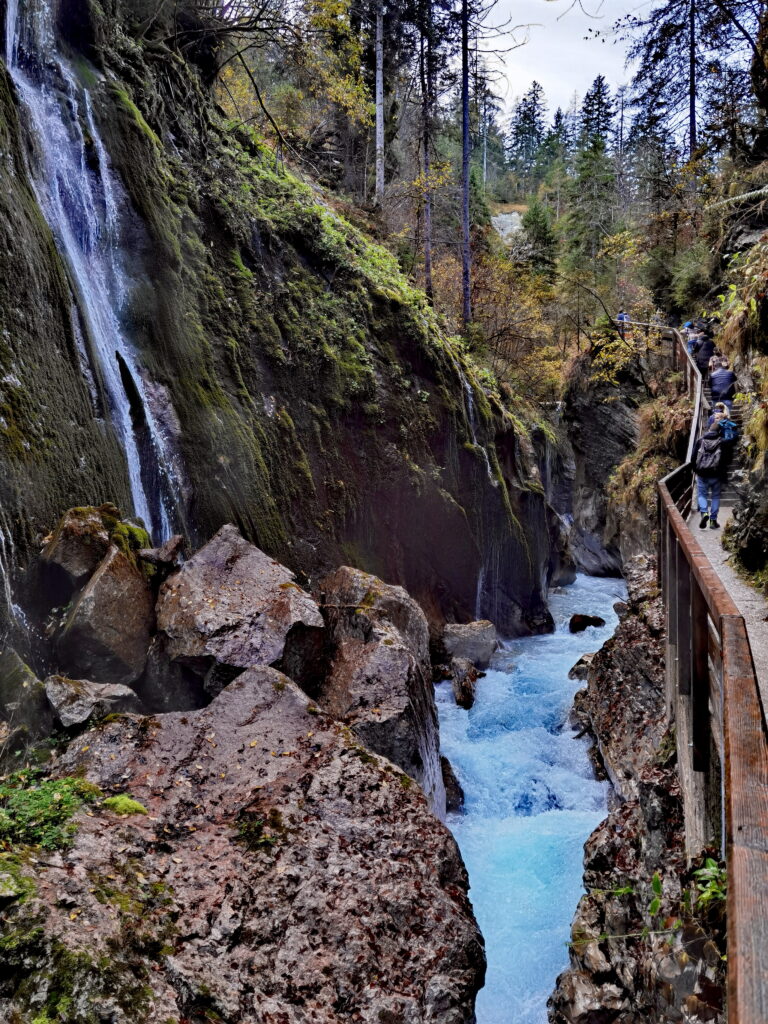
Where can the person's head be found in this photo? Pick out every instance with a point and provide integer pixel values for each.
(721, 407)
(724, 363)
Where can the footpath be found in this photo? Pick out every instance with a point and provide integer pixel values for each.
(751, 603)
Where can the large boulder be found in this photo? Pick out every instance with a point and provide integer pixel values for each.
(76, 547)
(282, 874)
(475, 641)
(232, 607)
(106, 633)
(379, 680)
(77, 701)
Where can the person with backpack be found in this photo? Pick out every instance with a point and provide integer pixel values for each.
(709, 467)
(703, 351)
(729, 431)
(623, 320)
(723, 383)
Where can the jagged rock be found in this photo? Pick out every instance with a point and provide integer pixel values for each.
(454, 793)
(464, 675)
(107, 632)
(24, 710)
(621, 608)
(77, 701)
(231, 607)
(581, 669)
(379, 681)
(579, 623)
(167, 555)
(74, 550)
(475, 641)
(587, 1002)
(282, 874)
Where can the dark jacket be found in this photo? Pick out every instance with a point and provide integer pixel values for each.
(723, 384)
(703, 352)
(712, 434)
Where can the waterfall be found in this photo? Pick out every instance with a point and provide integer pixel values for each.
(82, 202)
(15, 613)
(472, 418)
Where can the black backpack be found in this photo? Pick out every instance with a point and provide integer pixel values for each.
(708, 457)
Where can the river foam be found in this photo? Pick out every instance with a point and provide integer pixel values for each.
(531, 802)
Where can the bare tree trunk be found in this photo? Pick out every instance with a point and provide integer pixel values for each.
(379, 44)
(692, 78)
(425, 67)
(466, 252)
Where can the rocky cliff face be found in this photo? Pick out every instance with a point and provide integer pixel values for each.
(600, 417)
(310, 394)
(634, 961)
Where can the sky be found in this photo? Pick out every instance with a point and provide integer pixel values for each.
(557, 55)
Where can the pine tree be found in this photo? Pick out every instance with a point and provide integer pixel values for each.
(526, 134)
(537, 224)
(597, 115)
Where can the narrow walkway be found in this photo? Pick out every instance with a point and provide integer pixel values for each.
(750, 602)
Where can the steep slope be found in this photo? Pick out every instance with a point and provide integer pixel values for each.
(311, 394)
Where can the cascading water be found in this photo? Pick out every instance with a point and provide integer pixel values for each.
(472, 418)
(531, 801)
(82, 202)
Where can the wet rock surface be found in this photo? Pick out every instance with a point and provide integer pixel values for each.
(282, 874)
(78, 701)
(231, 607)
(580, 622)
(628, 965)
(379, 679)
(464, 676)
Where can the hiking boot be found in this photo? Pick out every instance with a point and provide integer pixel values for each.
(704, 520)
(713, 524)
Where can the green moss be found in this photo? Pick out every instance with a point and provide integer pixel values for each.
(125, 101)
(123, 804)
(37, 811)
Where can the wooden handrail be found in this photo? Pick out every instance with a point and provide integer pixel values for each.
(714, 699)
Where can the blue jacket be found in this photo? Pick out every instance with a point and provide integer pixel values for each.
(723, 384)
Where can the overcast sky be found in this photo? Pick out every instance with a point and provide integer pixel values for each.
(557, 55)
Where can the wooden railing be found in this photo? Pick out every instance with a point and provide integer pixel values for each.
(714, 701)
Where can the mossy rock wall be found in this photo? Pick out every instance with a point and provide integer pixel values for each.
(55, 449)
(320, 402)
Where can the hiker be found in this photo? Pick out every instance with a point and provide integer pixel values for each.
(729, 431)
(703, 351)
(709, 467)
(623, 320)
(723, 384)
(689, 334)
